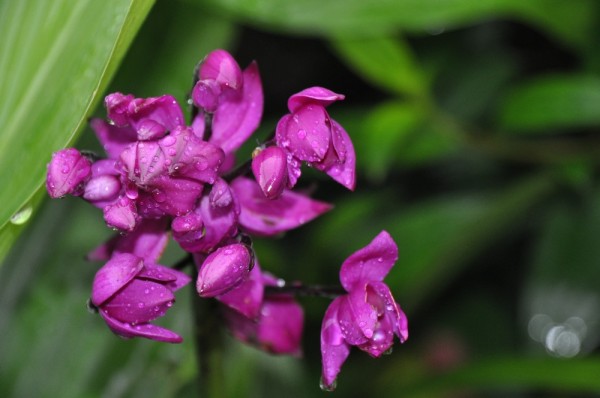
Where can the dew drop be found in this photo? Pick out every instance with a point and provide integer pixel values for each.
(22, 216)
(65, 169)
(301, 134)
(326, 387)
(141, 305)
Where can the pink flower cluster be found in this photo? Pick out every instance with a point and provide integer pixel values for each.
(163, 177)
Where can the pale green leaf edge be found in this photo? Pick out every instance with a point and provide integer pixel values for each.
(136, 14)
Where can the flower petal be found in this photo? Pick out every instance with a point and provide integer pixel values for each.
(340, 162)
(140, 301)
(306, 134)
(267, 217)
(114, 139)
(67, 171)
(280, 326)
(147, 241)
(221, 67)
(396, 317)
(236, 119)
(371, 263)
(145, 330)
(246, 298)
(121, 215)
(313, 95)
(115, 274)
(171, 278)
(270, 170)
(334, 349)
(356, 317)
(223, 270)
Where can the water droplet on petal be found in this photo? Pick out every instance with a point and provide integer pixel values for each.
(326, 387)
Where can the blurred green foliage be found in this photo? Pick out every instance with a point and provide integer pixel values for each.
(476, 128)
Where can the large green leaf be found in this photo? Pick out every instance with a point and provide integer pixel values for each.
(436, 238)
(56, 58)
(384, 61)
(570, 23)
(552, 102)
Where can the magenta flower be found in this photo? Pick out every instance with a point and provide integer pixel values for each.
(366, 317)
(130, 293)
(272, 323)
(270, 170)
(310, 135)
(223, 270)
(233, 96)
(67, 173)
(268, 217)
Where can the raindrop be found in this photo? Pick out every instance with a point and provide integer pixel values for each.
(141, 305)
(326, 387)
(22, 216)
(301, 134)
(65, 169)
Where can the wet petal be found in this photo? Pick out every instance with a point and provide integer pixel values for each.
(190, 157)
(371, 263)
(237, 118)
(313, 95)
(356, 317)
(169, 277)
(206, 95)
(145, 330)
(104, 188)
(246, 298)
(306, 134)
(115, 274)
(116, 107)
(169, 196)
(152, 117)
(223, 270)
(392, 311)
(221, 67)
(140, 301)
(270, 170)
(67, 170)
(121, 215)
(268, 217)
(220, 194)
(114, 139)
(147, 241)
(280, 326)
(340, 161)
(334, 349)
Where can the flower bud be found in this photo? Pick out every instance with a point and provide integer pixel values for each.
(67, 170)
(269, 167)
(223, 270)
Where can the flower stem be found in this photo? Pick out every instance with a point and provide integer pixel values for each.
(208, 336)
(299, 289)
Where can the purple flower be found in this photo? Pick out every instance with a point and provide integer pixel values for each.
(310, 135)
(233, 96)
(269, 167)
(223, 270)
(130, 293)
(267, 217)
(67, 172)
(272, 323)
(366, 317)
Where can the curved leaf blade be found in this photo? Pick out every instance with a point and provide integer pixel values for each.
(55, 59)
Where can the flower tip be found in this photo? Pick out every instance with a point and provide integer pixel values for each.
(327, 386)
(67, 171)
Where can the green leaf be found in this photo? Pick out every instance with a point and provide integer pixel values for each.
(56, 58)
(512, 374)
(552, 102)
(439, 237)
(173, 39)
(436, 238)
(382, 134)
(572, 23)
(385, 62)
